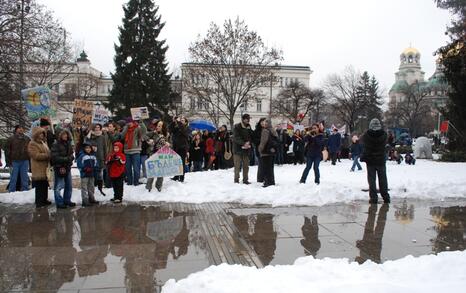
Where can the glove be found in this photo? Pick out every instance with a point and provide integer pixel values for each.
(88, 170)
(117, 158)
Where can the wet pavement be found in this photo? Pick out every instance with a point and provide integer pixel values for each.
(138, 247)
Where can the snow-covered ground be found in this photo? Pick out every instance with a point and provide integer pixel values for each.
(426, 180)
(429, 273)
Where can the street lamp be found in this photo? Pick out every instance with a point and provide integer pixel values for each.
(24, 8)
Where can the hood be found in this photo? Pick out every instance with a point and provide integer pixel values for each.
(36, 131)
(120, 145)
(376, 135)
(62, 132)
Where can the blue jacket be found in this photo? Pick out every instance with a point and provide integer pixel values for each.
(356, 149)
(314, 145)
(334, 143)
(87, 164)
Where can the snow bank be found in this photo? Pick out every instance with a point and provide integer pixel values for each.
(425, 180)
(429, 273)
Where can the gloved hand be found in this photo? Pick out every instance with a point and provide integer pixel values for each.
(87, 170)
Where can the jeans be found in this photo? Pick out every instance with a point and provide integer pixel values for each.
(21, 168)
(279, 158)
(197, 166)
(356, 163)
(133, 168)
(143, 164)
(310, 161)
(381, 173)
(87, 190)
(62, 183)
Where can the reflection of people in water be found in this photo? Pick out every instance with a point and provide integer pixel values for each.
(370, 246)
(181, 241)
(264, 238)
(450, 224)
(311, 242)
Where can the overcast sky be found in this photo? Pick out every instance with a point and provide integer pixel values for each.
(324, 35)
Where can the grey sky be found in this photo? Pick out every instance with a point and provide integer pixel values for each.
(325, 35)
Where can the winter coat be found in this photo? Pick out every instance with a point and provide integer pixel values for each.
(111, 138)
(220, 139)
(241, 135)
(39, 153)
(17, 148)
(209, 146)
(374, 147)
(116, 162)
(101, 142)
(334, 143)
(88, 164)
(180, 136)
(266, 135)
(158, 141)
(314, 145)
(62, 153)
(298, 144)
(196, 152)
(356, 149)
(133, 143)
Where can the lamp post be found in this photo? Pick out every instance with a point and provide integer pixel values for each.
(24, 8)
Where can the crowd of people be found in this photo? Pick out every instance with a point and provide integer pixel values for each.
(114, 153)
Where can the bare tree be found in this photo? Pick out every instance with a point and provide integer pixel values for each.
(296, 100)
(343, 92)
(229, 67)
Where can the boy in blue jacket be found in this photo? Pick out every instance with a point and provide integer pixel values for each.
(88, 166)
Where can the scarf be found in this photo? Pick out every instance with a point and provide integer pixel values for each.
(129, 137)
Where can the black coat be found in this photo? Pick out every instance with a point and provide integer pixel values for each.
(62, 154)
(180, 136)
(240, 136)
(196, 155)
(373, 152)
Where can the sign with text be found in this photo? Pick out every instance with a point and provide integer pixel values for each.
(39, 101)
(82, 113)
(100, 114)
(164, 163)
(139, 113)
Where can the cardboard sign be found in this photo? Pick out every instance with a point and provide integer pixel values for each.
(139, 113)
(164, 163)
(165, 229)
(82, 113)
(100, 114)
(40, 102)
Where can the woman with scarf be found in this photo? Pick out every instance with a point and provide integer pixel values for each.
(132, 134)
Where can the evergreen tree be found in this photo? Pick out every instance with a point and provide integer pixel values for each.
(141, 77)
(370, 99)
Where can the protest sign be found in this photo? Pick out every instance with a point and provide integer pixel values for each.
(39, 101)
(164, 230)
(100, 114)
(82, 113)
(164, 163)
(139, 113)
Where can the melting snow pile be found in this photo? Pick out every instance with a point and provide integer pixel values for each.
(429, 273)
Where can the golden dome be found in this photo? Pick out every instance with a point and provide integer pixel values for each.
(411, 50)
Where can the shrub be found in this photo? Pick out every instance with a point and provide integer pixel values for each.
(404, 149)
(456, 156)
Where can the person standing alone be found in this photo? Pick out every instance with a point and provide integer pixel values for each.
(374, 141)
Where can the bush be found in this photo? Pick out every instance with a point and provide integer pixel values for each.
(457, 156)
(404, 149)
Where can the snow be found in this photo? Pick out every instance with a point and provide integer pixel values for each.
(426, 180)
(429, 273)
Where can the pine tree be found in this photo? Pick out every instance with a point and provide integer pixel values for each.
(141, 77)
(370, 99)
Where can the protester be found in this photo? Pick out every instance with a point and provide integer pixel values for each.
(209, 151)
(116, 161)
(374, 141)
(242, 147)
(221, 139)
(157, 140)
(99, 140)
(205, 136)
(334, 144)
(268, 147)
(196, 152)
(181, 141)
(61, 160)
(18, 157)
(133, 134)
(298, 147)
(49, 136)
(256, 139)
(345, 146)
(39, 153)
(88, 165)
(283, 141)
(313, 153)
(355, 151)
(112, 135)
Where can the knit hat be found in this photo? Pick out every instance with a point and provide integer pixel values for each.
(245, 116)
(44, 122)
(375, 124)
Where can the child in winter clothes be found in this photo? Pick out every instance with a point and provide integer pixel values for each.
(88, 167)
(116, 168)
(356, 150)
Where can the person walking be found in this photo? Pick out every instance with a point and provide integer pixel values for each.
(334, 145)
(374, 142)
(133, 133)
(18, 157)
(157, 140)
(241, 148)
(313, 153)
(88, 166)
(61, 160)
(39, 153)
(116, 161)
(268, 147)
(355, 151)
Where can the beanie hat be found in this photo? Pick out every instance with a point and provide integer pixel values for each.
(375, 124)
(245, 116)
(44, 122)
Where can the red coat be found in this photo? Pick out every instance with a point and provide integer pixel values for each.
(116, 168)
(210, 146)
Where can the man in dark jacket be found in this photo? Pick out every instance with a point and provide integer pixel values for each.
(374, 141)
(334, 145)
(241, 147)
(17, 156)
(181, 141)
(61, 160)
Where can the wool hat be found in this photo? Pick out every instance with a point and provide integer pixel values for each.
(44, 122)
(375, 124)
(245, 116)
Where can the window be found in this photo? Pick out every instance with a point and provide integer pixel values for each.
(199, 104)
(192, 103)
(281, 81)
(70, 88)
(259, 105)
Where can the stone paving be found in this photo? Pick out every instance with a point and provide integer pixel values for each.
(138, 247)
